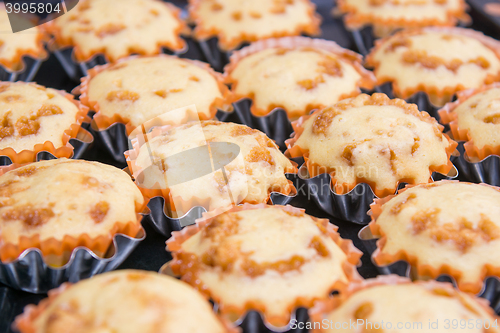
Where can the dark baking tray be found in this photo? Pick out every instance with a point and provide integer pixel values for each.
(151, 254)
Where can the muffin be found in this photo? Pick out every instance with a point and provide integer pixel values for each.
(137, 89)
(387, 16)
(244, 21)
(437, 61)
(118, 28)
(394, 304)
(252, 171)
(442, 228)
(35, 119)
(297, 74)
(272, 259)
(122, 301)
(475, 118)
(15, 46)
(58, 205)
(374, 140)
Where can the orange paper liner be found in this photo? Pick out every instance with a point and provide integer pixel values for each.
(25, 322)
(57, 252)
(103, 121)
(61, 42)
(315, 169)
(448, 116)
(185, 269)
(355, 20)
(194, 201)
(437, 95)
(366, 81)
(66, 150)
(423, 270)
(323, 308)
(226, 44)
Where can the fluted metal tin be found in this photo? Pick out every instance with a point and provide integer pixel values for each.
(80, 144)
(364, 40)
(165, 224)
(211, 53)
(486, 171)
(491, 285)
(30, 273)
(275, 125)
(26, 74)
(352, 206)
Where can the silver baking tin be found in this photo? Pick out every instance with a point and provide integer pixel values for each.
(30, 273)
(31, 67)
(275, 125)
(76, 70)
(80, 145)
(211, 53)
(486, 171)
(116, 142)
(491, 285)
(165, 224)
(352, 206)
(364, 40)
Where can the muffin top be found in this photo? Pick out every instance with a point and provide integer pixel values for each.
(273, 258)
(375, 140)
(413, 306)
(442, 225)
(122, 301)
(439, 61)
(402, 13)
(475, 117)
(32, 114)
(118, 28)
(34, 200)
(14, 46)
(138, 89)
(258, 169)
(236, 22)
(298, 74)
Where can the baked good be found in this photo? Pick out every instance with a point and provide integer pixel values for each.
(442, 228)
(475, 117)
(35, 118)
(60, 204)
(237, 22)
(252, 172)
(267, 258)
(298, 74)
(122, 301)
(395, 304)
(373, 140)
(15, 46)
(438, 61)
(118, 28)
(387, 16)
(137, 89)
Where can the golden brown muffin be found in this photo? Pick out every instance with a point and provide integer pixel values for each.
(475, 117)
(35, 118)
(58, 205)
(122, 301)
(267, 258)
(118, 28)
(15, 46)
(386, 16)
(395, 304)
(258, 170)
(437, 61)
(298, 74)
(137, 89)
(373, 140)
(237, 22)
(442, 228)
